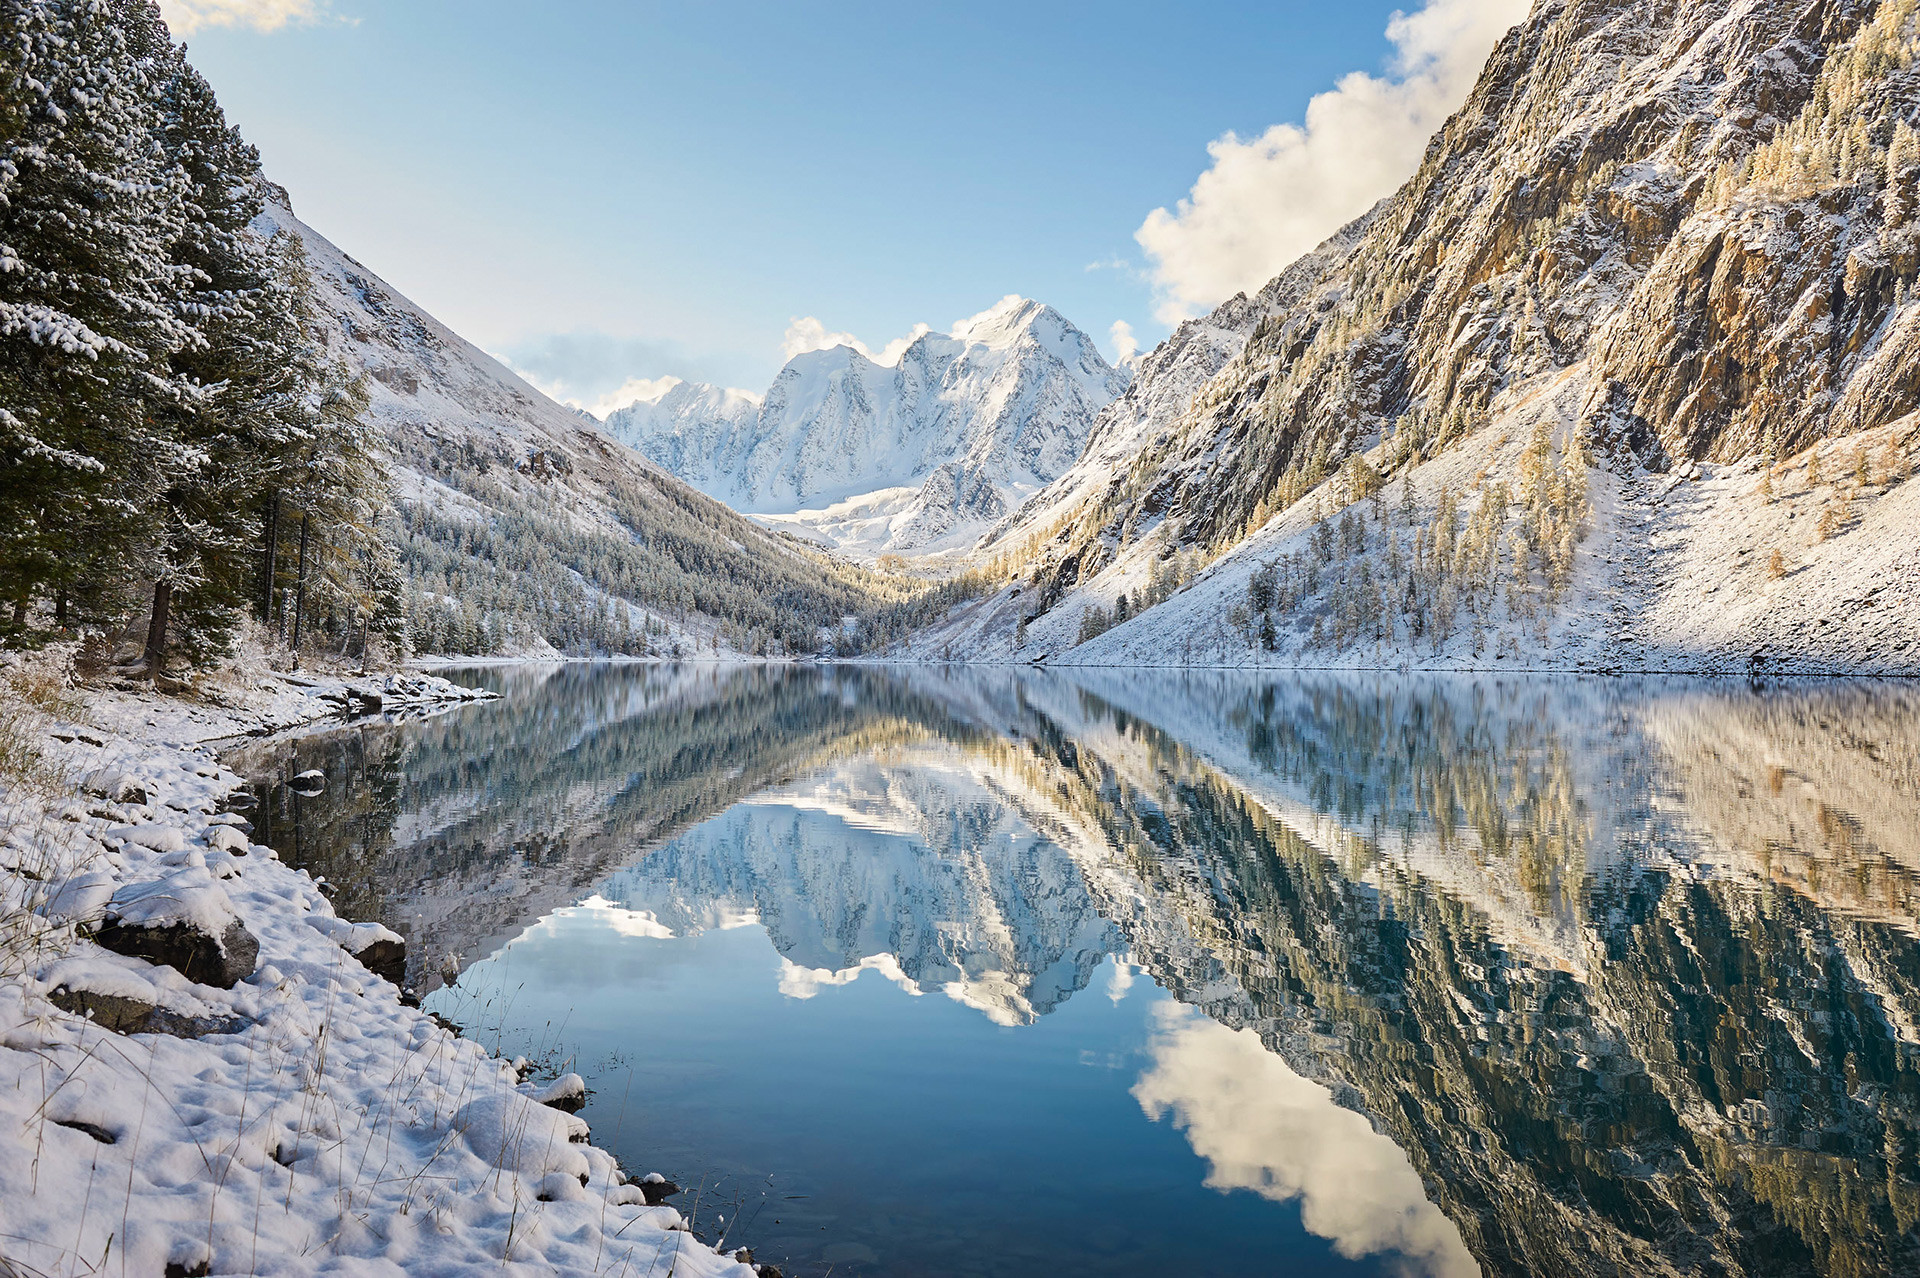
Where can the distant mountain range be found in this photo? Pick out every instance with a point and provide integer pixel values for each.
(922, 454)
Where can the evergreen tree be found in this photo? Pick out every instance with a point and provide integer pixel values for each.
(237, 320)
(89, 210)
(164, 378)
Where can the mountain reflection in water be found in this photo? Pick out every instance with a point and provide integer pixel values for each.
(1529, 976)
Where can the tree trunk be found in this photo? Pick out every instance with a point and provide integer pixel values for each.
(273, 546)
(157, 628)
(300, 590)
(60, 609)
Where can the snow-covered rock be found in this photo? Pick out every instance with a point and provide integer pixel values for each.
(185, 921)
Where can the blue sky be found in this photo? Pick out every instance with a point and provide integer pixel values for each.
(613, 190)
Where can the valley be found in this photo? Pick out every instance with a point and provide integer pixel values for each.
(1413, 772)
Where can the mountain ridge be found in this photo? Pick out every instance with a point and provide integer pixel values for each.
(916, 454)
(1640, 333)
(525, 529)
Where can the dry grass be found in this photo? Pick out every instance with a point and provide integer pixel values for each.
(34, 691)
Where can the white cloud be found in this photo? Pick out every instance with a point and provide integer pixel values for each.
(1123, 340)
(635, 390)
(805, 333)
(1262, 1127)
(1266, 200)
(184, 17)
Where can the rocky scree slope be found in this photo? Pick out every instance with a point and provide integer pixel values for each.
(1678, 239)
(525, 529)
(919, 454)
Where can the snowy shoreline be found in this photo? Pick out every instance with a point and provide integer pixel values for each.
(1727, 667)
(284, 1111)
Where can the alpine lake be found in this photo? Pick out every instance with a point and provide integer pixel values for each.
(1010, 971)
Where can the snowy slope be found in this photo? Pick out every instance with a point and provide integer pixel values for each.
(477, 451)
(917, 454)
(1681, 244)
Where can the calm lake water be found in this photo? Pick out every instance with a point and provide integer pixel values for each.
(1011, 972)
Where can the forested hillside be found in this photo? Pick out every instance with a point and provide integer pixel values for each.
(523, 528)
(208, 412)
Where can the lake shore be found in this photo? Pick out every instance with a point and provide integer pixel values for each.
(200, 1068)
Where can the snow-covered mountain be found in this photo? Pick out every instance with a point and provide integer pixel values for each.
(1630, 362)
(526, 528)
(919, 454)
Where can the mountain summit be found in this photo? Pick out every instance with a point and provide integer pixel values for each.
(918, 454)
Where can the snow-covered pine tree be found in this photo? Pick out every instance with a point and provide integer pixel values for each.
(163, 374)
(89, 209)
(238, 326)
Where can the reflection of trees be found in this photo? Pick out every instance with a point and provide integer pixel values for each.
(1496, 787)
(459, 830)
(1726, 1091)
(1705, 1060)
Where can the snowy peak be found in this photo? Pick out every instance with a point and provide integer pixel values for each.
(922, 452)
(673, 394)
(1002, 323)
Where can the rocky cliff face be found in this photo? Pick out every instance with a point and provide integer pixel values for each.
(1681, 234)
(1612, 199)
(922, 452)
(1164, 382)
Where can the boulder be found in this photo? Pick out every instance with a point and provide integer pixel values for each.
(183, 921)
(656, 1189)
(385, 956)
(227, 838)
(224, 959)
(380, 950)
(126, 1015)
(568, 1094)
(117, 787)
(152, 835)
